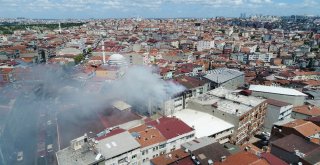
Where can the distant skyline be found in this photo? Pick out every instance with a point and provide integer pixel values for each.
(61, 9)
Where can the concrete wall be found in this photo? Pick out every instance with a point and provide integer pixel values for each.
(223, 136)
(175, 143)
(152, 151)
(212, 111)
(273, 115)
(296, 115)
(177, 104)
(294, 100)
(128, 156)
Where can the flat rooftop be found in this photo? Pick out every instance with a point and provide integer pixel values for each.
(203, 123)
(228, 101)
(68, 156)
(121, 105)
(117, 145)
(76, 122)
(276, 90)
(198, 143)
(107, 148)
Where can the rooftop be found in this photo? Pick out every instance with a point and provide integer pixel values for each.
(147, 136)
(293, 142)
(227, 101)
(190, 82)
(306, 128)
(203, 123)
(117, 144)
(277, 103)
(271, 159)
(104, 149)
(307, 110)
(170, 127)
(121, 105)
(222, 75)
(276, 90)
(171, 157)
(198, 143)
(84, 156)
(243, 158)
(313, 157)
(212, 152)
(93, 121)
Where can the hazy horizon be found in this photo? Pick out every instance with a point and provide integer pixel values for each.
(100, 9)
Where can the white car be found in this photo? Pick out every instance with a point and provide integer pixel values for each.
(49, 148)
(20, 156)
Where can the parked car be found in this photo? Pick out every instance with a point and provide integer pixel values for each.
(20, 156)
(49, 148)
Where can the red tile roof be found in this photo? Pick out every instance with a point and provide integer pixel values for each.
(273, 160)
(170, 127)
(176, 156)
(113, 132)
(307, 110)
(243, 158)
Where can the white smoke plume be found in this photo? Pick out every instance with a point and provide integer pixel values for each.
(51, 90)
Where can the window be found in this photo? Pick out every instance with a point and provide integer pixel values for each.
(162, 146)
(122, 160)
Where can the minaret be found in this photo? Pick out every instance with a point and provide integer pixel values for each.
(60, 28)
(103, 53)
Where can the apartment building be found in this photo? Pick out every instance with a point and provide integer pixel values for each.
(205, 44)
(246, 113)
(135, 146)
(114, 149)
(276, 111)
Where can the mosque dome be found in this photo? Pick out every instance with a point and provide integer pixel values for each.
(117, 60)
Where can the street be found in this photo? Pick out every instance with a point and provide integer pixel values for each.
(27, 130)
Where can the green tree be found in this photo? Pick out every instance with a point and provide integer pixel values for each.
(78, 58)
(89, 50)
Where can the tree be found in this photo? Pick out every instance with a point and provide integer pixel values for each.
(78, 58)
(89, 50)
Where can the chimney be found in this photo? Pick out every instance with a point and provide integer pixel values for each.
(309, 107)
(223, 158)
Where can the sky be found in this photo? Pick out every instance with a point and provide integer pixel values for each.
(153, 8)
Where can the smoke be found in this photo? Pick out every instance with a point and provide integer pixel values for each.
(53, 92)
(140, 87)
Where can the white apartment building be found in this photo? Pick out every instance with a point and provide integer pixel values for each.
(205, 44)
(265, 57)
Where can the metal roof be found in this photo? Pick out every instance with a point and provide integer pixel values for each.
(276, 90)
(222, 75)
